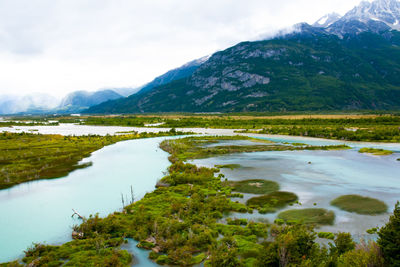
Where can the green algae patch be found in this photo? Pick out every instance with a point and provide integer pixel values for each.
(271, 202)
(254, 186)
(308, 216)
(375, 151)
(228, 166)
(360, 204)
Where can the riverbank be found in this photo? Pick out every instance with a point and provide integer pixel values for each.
(26, 157)
(40, 211)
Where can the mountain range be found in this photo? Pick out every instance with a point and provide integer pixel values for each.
(32, 103)
(78, 101)
(345, 62)
(74, 102)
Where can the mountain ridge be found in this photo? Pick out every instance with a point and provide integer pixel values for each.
(354, 56)
(312, 71)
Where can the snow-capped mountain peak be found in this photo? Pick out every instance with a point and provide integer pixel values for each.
(387, 11)
(327, 20)
(376, 16)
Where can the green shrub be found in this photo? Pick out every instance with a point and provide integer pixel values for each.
(343, 243)
(363, 255)
(326, 235)
(389, 238)
(153, 255)
(372, 230)
(162, 260)
(235, 221)
(146, 245)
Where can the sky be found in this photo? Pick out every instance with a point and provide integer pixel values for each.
(60, 46)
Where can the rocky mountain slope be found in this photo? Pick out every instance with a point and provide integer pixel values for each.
(351, 62)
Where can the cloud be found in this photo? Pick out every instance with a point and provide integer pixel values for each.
(58, 46)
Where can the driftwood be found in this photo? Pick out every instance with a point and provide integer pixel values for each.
(76, 213)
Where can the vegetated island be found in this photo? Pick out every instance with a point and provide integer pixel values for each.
(180, 222)
(360, 204)
(376, 151)
(308, 216)
(271, 202)
(254, 186)
(27, 156)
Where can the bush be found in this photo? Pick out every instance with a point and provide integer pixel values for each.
(162, 260)
(326, 235)
(235, 221)
(343, 243)
(389, 238)
(363, 255)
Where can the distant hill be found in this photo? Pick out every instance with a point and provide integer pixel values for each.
(179, 73)
(125, 91)
(79, 100)
(339, 63)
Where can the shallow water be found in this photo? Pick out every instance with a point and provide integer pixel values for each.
(40, 211)
(330, 174)
(140, 256)
(237, 143)
(325, 142)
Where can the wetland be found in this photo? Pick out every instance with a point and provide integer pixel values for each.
(231, 199)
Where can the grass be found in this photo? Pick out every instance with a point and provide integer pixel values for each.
(308, 216)
(254, 186)
(26, 157)
(271, 202)
(376, 151)
(360, 204)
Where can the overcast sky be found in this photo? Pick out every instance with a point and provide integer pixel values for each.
(59, 46)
